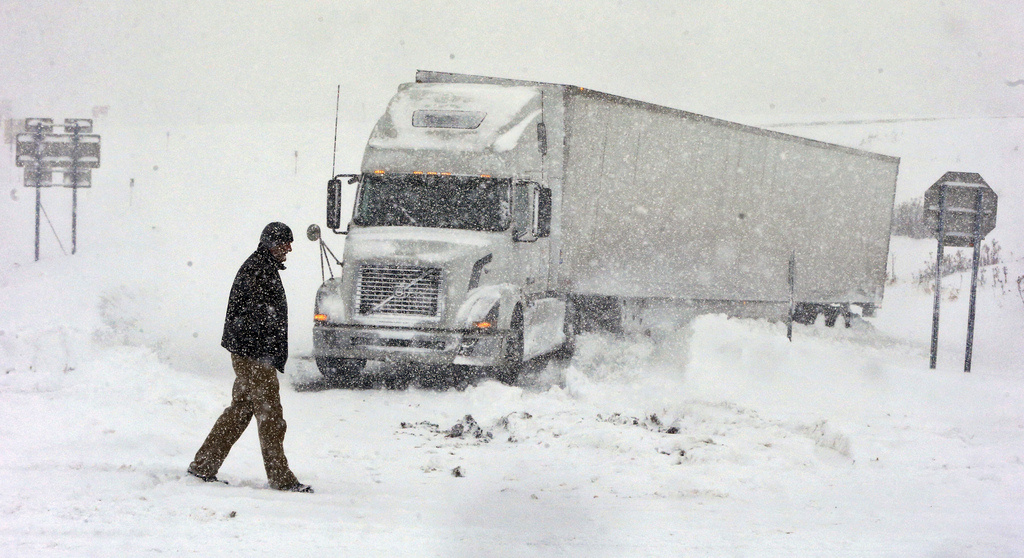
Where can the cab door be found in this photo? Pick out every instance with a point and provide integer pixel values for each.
(531, 209)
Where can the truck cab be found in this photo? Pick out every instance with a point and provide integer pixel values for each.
(447, 254)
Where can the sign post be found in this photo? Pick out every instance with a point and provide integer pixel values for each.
(78, 176)
(940, 234)
(962, 208)
(974, 277)
(27, 155)
(74, 153)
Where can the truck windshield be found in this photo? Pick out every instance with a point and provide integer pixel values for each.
(443, 201)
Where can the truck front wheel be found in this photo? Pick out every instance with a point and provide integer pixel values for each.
(341, 371)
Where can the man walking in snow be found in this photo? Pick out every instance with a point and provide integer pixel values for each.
(256, 334)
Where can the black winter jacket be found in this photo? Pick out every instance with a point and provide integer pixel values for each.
(256, 324)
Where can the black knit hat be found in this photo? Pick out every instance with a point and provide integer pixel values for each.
(275, 234)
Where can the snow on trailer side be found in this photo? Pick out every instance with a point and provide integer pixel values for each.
(661, 203)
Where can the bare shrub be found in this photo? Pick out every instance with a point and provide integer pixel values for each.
(959, 261)
(908, 220)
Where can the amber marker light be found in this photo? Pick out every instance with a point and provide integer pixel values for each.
(378, 172)
(485, 176)
(320, 317)
(417, 172)
(483, 325)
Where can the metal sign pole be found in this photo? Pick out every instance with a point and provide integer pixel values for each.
(74, 189)
(974, 280)
(938, 276)
(792, 295)
(74, 218)
(39, 203)
(35, 170)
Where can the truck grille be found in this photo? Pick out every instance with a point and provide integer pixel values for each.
(398, 290)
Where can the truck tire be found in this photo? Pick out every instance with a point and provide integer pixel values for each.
(806, 314)
(344, 372)
(508, 372)
(833, 313)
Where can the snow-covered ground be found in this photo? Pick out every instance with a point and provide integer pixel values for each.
(721, 440)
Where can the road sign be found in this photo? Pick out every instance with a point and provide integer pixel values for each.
(78, 178)
(962, 208)
(58, 151)
(39, 125)
(36, 177)
(960, 190)
(72, 153)
(26, 152)
(77, 125)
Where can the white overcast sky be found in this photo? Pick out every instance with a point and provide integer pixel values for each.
(203, 61)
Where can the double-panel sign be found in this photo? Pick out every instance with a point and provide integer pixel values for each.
(958, 191)
(73, 153)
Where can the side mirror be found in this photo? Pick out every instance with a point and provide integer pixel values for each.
(313, 232)
(334, 189)
(544, 212)
(334, 204)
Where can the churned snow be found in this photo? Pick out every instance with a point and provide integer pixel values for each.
(721, 439)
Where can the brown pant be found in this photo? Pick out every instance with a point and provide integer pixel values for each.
(256, 392)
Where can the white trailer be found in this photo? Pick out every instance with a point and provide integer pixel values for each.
(495, 218)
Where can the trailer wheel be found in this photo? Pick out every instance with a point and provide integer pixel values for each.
(508, 372)
(805, 314)
(344, 372)
(833, 313)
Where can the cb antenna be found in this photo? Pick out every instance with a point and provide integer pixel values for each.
(337, 105)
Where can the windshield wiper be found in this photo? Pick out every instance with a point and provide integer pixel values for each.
(397, 206)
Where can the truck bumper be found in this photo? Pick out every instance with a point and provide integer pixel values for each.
(404, 345)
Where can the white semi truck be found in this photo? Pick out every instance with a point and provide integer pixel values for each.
(496, 218)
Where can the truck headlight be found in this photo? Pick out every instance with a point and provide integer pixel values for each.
(330, 305)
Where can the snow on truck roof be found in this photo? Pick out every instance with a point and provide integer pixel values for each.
(457, 116)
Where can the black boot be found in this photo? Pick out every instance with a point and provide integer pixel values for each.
(297, 487)
(205, 478)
